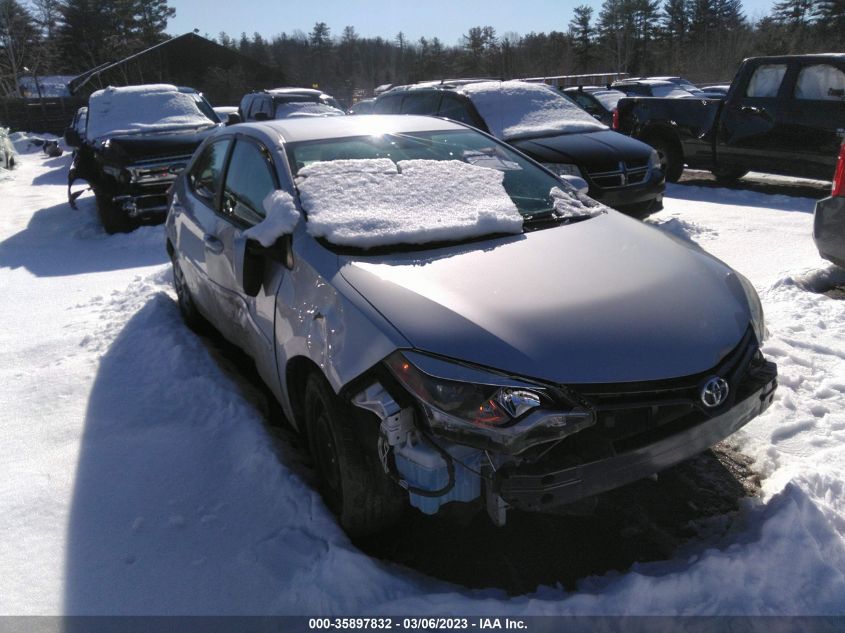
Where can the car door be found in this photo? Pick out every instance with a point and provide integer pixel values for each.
(750, 134)
(814, 118)
(195, 217)
(244, 319)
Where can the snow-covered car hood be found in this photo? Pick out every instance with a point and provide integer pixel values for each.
(604, 300)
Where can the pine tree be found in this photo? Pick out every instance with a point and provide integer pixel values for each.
(582, 33)
(19, 45)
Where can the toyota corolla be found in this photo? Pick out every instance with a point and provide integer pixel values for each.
(446, 321)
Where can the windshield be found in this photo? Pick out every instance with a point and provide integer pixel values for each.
(391, 173)
(148, 108)
(670, 91)
(609, 98)
(517, 109)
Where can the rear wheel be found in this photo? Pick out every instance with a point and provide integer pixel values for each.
(112, 217)
(670, 155)
(343, 444)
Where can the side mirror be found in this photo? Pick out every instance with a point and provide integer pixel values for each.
(72, 137)
(261, 116)
(576, 182)
(234, 118)
(251, 261)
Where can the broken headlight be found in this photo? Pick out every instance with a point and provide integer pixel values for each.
(449, 402)
(481, 408)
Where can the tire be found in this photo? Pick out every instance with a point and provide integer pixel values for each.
(113, 219)
(671, 157)
(343, 445)
(726, 174)
(187, 308)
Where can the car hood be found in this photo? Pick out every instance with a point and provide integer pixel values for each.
(595, 150)
(128, 148)
(608, 299)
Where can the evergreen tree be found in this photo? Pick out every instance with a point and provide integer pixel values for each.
(19, 45)
(582, 32)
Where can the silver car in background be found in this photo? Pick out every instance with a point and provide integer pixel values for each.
(519, 370)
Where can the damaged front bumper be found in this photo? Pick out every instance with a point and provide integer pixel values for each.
(544, 485)
(549, 458)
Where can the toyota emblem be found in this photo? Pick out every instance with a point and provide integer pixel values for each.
(715, 392)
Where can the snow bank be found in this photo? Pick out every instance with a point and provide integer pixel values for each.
(515, 109)
(282, 217)
(141, 109)
(295, 109)
(367, 203)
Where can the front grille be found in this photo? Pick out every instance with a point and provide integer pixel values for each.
(632, 415)
(624, 174)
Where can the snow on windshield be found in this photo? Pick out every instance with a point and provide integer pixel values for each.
(375, 202)
(514, 109)
(141, 109)
(305, 109)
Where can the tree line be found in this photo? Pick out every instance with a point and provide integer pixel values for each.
(703, 40)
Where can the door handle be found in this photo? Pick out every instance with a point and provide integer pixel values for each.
(750, 110)
(212, 243)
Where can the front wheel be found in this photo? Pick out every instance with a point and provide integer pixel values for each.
(112, 217)
(187, 308)
(343, 444)
(670, 156)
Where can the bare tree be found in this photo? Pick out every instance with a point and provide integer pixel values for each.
(18, 45)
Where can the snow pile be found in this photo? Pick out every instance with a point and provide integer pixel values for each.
(374, 202)
(141, 109)
(281, 218)
(295, 109)
(517, 109)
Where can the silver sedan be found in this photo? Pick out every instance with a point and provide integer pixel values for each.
(447, 321)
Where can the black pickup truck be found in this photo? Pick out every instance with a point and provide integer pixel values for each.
(134, 143)
(782, 115)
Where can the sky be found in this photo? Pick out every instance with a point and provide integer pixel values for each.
(446, 19)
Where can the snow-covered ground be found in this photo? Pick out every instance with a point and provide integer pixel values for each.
(137, 477)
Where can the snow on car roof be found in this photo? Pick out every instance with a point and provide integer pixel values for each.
(315, 128)
(517, 109)
(141, 108)
(376, 202)
(293, 109)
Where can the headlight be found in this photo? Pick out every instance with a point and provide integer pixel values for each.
(563, 169)
(758, 321)
(451, 402)
(483, 409)
(654, 160)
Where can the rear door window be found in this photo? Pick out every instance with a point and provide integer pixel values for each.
(421, 103)
(249, 181)
(206, 175)
(766, 80)
(820, 82)
(388, 104)
(455, 108)
(262, 104)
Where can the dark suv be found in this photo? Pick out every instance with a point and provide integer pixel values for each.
(283, 103)
(540, 122)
